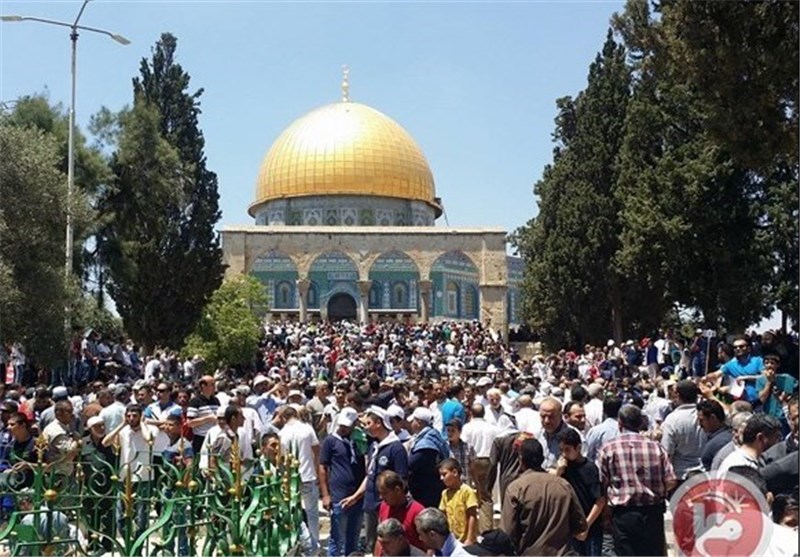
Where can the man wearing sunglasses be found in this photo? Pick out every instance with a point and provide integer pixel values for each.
(744, 369)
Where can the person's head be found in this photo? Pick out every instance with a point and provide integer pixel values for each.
(322, 391)
(630, 419)
(133, 415)
(761, 432)
(392, 488)
(340, 393)
(772, 362)
(144, 395)
(182, 398)
(550, 414)
(785, 510)
(737, 422)
(392, 538)
(794, 415)
(710, 415)
(63, 412)
(437, 392)
(376, 422)
(420, 419)
(531, 454)
(450, 473)
(164, 392)
(525, 401)
(104, 397)
(207, 386)
(432, 528)
(495, 397)
(96, 427)
(611, 406)
(687, 392)
(741, 346)
(477, 410)
(569, 444)
(271, 446)
(453, 430)
(346, 421)
(578, 393)
(288, 413)
(456, 392)
(172, 426)
(19, 426)
(575, 415)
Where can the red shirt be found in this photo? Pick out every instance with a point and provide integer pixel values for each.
(406, 515)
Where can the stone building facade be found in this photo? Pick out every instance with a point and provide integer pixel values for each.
(344, 228)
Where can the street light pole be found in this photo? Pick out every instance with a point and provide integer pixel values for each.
(73, 36)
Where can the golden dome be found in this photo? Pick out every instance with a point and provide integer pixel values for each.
(345, 148)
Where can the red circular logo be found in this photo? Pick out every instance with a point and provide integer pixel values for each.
(720, 514)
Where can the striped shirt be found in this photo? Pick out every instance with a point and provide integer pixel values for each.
(634, 470)
(201, 407)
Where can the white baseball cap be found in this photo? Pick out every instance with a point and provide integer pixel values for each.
(422, 414)
(396, 411)
(347, 417)
(484, 382)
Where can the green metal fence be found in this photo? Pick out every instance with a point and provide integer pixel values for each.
(82, 505)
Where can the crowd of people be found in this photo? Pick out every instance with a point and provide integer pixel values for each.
(435, 438)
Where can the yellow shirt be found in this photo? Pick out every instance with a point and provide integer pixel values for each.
(455, 503)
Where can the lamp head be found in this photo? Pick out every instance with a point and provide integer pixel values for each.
(120, 39)
(11, 17)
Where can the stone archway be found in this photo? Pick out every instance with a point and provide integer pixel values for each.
(342, 306)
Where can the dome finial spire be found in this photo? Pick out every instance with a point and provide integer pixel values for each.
(345, 83)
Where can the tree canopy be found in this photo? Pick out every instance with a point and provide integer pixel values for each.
(160, 246)
(230, 328)
(674, 177)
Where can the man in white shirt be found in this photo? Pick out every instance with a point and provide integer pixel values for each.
(760, 433)
(528, 419)
(594, 407)
(139, 445)
(298, 439)
(495, 413)
(480, 434)
(253, 426)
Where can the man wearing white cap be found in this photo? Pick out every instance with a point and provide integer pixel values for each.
(397, 417)
(387, 453)
(341, 472)
(263, 400)
(99, 464)
(428, 449)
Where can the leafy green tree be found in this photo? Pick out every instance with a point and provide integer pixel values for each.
(162, 252)
(32, 224)
(689, 207)
(742, 60)
(92, 173)
(571, 284)
(230, 328)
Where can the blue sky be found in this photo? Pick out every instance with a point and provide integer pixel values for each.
(474, 83)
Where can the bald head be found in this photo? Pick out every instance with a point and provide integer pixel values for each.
(477, 410)
(525, 401)
(550, 413)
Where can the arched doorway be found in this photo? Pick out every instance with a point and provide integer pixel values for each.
(342, 306)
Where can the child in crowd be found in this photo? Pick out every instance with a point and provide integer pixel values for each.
(584, 477)
(459, 502)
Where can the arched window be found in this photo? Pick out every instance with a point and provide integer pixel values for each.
(311, 298)
(451, 298)
(283, 296)
(375, 295)
(400, 295)
(471, 303)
